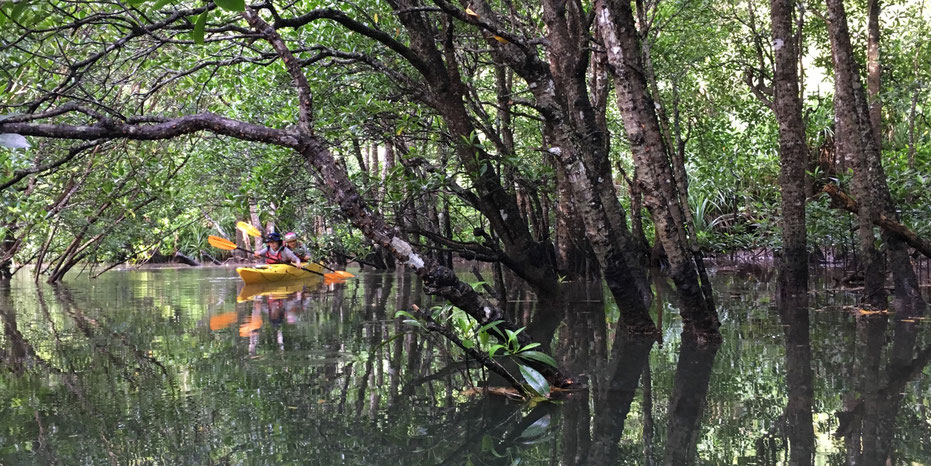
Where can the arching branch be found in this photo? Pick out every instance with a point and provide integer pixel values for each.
(160, 128)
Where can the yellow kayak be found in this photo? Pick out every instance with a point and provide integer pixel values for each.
(274, 273)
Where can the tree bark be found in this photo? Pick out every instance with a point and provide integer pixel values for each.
(873, 69)
(793, 148)
(855, 136)
(652, 162)
(578, 145)
(446, 92)
(570, 233)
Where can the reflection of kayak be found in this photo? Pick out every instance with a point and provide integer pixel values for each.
(273, 273)
(275, 290)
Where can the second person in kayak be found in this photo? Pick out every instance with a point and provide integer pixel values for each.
(275, 252)
(299, 250)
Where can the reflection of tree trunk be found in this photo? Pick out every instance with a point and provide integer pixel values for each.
(579, 352)
(494, 413)
(647, 415)
(868, 422)
(374, 299)
(546, 315)
(793, 311)
(613, 400)
(879, 425)
(347, 371)
(687, 402)
(402, 302)
(15, 355)
(871, 339)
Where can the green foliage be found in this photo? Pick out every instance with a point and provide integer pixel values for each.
(497, 343)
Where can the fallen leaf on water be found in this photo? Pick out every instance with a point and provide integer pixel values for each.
(501, 39)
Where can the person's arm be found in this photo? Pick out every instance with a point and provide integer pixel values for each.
(304, 254)
(289, 255)
(261, 252)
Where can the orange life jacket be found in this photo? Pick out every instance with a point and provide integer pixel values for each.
(274, 257)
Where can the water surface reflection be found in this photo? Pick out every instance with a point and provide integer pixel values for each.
(185, 366)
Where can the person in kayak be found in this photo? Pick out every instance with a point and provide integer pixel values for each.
(298, 248)
(275, 252)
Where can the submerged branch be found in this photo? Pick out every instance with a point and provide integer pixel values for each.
(479, 356)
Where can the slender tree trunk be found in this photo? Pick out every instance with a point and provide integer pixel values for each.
(570, 233)
(911, 114)
(650, 154)
(7, 251)
(577, 143)
(873, 70)
(855, 136)
(446, 93)
(793, 149)
(850, 144)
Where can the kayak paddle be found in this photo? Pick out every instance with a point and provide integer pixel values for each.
(223, 243)
(253, 231)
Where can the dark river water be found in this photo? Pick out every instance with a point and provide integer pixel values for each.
(179, 366)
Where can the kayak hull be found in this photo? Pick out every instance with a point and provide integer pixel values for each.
(274, 273)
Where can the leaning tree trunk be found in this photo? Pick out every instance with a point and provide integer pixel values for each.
(445, 92)
(793, 149)
(578, 145)
(652, 162)
(855, 136)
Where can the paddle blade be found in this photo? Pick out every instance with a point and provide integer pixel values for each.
(344, 274)
(248, 229)
(221, 243)
(332, 279)
(222, 321)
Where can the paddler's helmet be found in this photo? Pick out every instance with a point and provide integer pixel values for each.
(274, 237)
(290, 236)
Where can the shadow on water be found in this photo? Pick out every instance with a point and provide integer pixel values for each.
(169, 366)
